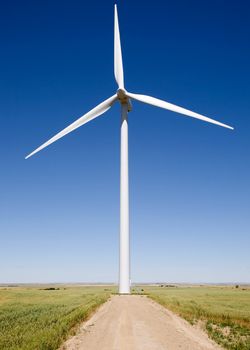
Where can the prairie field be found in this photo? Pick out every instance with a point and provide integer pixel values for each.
(40, 318)
(223, 311)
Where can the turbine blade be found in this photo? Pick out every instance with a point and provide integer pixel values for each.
(171, 107)
(95, 112)
(118, 66)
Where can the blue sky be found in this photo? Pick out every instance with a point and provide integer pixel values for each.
(189, 181)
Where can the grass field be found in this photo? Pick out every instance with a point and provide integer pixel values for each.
(223, 310)
(36, 318)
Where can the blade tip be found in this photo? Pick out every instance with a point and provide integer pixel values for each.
(30, 154)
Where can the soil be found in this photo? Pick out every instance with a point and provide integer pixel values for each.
(133, 322)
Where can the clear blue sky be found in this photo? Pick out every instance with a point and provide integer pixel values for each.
(189, 181)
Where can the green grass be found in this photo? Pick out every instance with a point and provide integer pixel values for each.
(32, 318)
(225, 311)
(37, 319)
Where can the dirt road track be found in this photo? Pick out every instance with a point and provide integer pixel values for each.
(137, 323)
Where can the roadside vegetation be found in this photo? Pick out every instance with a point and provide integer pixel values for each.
(41, 318)
(223, 311)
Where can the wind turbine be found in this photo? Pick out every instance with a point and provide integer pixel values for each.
(124, 97)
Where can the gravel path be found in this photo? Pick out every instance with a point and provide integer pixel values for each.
(132, 322)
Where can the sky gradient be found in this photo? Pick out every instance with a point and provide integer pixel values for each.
(189, 180)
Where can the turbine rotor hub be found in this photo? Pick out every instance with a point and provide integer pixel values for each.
(122, 97)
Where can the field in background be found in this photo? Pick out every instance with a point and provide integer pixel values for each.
(41, 318)
(224, 311)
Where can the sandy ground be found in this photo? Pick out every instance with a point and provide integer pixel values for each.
(132, 322)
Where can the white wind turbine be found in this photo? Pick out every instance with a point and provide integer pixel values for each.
(123, 97)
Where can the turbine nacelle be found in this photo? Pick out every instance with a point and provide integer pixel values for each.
(123, 98)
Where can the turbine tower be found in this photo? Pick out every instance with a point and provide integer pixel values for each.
(124, 97)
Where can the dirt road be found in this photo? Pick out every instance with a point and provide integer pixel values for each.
(137, 323)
